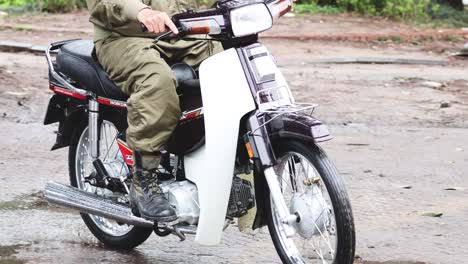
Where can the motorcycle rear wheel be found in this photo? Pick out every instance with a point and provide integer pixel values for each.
(324, 201)
(112, 234)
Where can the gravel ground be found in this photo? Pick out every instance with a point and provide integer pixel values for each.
(399, 143)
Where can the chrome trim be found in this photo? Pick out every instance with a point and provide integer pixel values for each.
(59, 78)
(219, 19)
(277, 196)
(90, 203)
(93, 128)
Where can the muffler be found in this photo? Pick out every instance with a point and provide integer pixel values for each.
(90, 203)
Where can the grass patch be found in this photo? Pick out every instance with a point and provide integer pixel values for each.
(23, 28)
(453, 38)
(7, 255)
(394, 39)
(313, 8)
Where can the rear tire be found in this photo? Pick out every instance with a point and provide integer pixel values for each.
(294, 153)
(125, 241)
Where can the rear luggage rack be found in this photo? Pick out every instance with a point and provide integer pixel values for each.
(56, 76)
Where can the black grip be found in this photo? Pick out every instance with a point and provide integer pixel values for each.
(143, 27)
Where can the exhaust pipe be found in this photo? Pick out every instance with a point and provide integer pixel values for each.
(90, 203)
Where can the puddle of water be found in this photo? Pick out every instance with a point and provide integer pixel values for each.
(360, 261)
(25, 202)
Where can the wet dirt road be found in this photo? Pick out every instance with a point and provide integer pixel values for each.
(401, 154)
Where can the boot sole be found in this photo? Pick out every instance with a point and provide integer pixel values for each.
(163, 219)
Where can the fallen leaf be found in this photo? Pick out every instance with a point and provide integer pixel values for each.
(455, 188)
(431, 214)
(430, 84)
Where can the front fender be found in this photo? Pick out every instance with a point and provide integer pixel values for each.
(280, 127)
(297, 126)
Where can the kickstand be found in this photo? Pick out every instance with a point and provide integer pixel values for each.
(178, 233)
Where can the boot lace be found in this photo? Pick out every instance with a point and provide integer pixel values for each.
(150, 183)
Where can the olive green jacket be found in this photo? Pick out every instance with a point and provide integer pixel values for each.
(120, 16)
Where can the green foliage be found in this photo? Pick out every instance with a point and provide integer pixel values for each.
(63, 5)
(407, 9)
(45, 5)
(367, 7)
(446, 15)
(313, 8)
(399, 9)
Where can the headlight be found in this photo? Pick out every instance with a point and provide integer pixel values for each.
(250, 19)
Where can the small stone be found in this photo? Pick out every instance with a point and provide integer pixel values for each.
(445, 105)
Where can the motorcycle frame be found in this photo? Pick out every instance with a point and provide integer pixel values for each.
(222, 117)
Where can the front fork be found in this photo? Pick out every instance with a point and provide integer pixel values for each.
(101, 176)
(262, 149)
(93, 128)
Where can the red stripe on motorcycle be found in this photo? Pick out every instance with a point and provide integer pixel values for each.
(110, 102)
(127, 153)
(191, 115)
(67, 92)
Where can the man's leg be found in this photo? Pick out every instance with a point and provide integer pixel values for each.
(192, 52)
(153, 112)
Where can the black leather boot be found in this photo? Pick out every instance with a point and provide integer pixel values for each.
(146, 196)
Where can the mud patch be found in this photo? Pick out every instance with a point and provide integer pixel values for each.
(25, 202)
(359, 260)
(394, 262)
(7, 255)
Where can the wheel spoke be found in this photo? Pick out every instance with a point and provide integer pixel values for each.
(115, 164)
(296, 173)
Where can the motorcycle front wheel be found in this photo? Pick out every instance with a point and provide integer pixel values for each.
(312, 189)
(112, 234)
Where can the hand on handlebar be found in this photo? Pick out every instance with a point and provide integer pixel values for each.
(156, 21)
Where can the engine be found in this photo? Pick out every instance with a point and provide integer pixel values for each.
(183, 195)
(242, 197)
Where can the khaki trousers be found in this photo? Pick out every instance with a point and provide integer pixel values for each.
(141, 69)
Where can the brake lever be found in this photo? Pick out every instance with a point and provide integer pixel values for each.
(163, 35)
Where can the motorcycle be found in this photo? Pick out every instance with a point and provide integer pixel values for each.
(238, 117)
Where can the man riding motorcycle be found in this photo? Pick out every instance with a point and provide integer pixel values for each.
(140, 68)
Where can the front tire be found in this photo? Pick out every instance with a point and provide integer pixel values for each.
(112, 234)
(321, 196)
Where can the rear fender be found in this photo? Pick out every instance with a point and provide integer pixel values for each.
(69, 113)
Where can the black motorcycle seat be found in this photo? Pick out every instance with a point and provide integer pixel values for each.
(76, 61)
